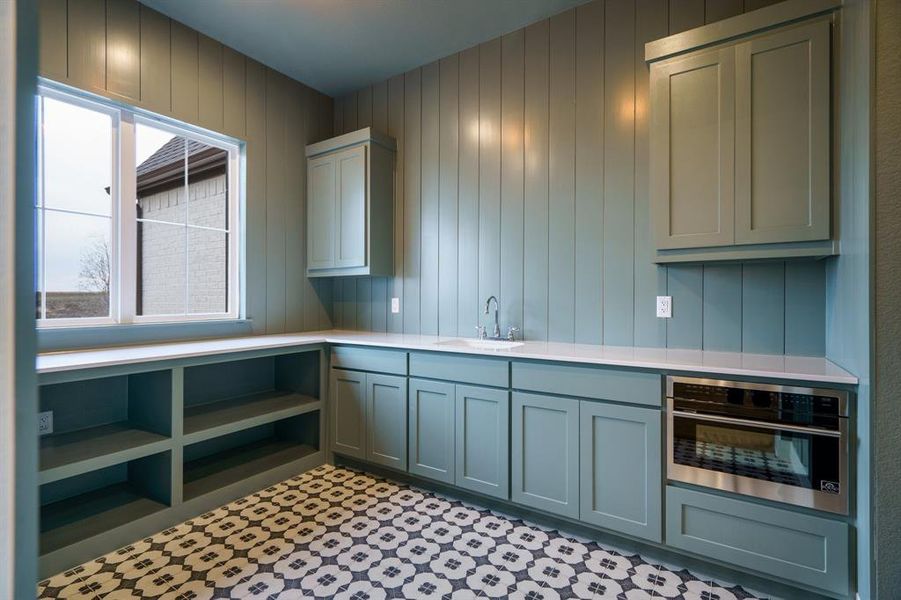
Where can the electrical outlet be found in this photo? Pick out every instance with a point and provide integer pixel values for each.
(45, 422)
(664, 307)
(395, 306)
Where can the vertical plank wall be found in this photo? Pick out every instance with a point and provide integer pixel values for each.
(523, 173)
(125, 51)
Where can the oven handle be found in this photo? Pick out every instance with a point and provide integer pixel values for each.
(747, 423)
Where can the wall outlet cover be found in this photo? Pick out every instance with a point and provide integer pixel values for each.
(664, 307)
(45, 422)
(395, 306)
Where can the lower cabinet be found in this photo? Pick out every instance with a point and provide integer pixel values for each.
(386, 420)
(544, 453)
(431, 429)
(482, 431)
(621, 468)
(369, 417)
(797, 547)
(348, 423)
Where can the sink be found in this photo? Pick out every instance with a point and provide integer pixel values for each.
(481, 344)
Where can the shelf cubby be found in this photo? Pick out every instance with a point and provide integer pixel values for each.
(222, 398)
(92, 503)
(99, 422)
(218, 462)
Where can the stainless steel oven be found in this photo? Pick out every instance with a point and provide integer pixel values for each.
(783, 443)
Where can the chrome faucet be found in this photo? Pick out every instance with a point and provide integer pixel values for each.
(497, 327)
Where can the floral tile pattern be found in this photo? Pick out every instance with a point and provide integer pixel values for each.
(339, 533)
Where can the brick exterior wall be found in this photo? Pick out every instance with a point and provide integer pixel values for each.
(163, 248)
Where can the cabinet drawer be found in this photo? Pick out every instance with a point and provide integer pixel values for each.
(369, 359)
(590, 382)
(465, 369)
(798, 547)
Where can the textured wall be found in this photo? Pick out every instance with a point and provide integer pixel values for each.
(523, 172)
(127, 52)
(886, 412)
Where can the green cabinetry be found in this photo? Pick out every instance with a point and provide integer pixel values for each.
(350, 199)
(544, 453)
(794, 546)
(483, 440)
(621, 468)
(740, 144)
(432, 424)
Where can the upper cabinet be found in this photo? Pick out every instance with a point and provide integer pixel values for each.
(740, 139)
(350, 205)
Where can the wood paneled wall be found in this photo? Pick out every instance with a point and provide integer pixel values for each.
(125, 51)
(523, 172)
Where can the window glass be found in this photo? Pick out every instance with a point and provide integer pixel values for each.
(74, 214)
(166, 252)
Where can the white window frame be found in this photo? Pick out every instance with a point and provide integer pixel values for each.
(123, 244)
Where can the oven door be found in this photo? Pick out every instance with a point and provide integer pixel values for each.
(804, 466)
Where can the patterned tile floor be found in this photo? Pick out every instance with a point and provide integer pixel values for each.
(338, 533)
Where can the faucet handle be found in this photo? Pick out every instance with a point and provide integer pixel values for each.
(480, 331)
(511, 333)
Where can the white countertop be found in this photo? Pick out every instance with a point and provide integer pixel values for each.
(797, 368)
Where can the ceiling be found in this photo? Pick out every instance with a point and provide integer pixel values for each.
(338, 46)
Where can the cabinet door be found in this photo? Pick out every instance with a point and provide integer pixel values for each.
(544, 453)
(386, 420)
(621, 483)
(431, 429)
(692, 149)
(482, 444)
(351, 219)
(321, 201)
(348, 398)
(782, 124)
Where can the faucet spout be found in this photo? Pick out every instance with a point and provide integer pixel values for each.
(497, 327)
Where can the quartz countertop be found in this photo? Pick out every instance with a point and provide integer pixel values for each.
(794, 368)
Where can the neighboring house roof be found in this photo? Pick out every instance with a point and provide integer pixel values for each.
(164, 168)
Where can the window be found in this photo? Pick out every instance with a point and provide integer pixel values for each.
(137, 217)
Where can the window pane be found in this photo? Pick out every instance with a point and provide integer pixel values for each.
(207, 185)
(38, 266)
(77, 265)
(160, 158)
(161, 283)
(77, 158)
(207, 271)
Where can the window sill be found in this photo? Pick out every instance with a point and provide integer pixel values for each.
(70, 338)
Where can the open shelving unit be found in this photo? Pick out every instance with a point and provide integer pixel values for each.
(136, 449)
(104, 421)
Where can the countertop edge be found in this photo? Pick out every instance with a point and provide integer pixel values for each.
(76, 360)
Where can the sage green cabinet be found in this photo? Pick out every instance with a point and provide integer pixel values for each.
(431, 429)
(482, 444)
(386, 420)
(350, 200)
(621, 468)
(544, 453)
(348, 415)
(369, 417)
(692, 147)
(740, 146)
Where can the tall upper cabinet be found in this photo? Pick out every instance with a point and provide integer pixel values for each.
(350, 205)
(741, 137)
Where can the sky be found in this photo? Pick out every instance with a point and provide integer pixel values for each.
(77, 170)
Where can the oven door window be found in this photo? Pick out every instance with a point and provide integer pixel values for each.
(805, 460)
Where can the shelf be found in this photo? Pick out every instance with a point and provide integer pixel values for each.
(203, 421)
(210, 473)
(75, 519)
(61, 454)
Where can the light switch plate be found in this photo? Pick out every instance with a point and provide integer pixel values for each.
(45, 422)
(395, 305)
(664, 307)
